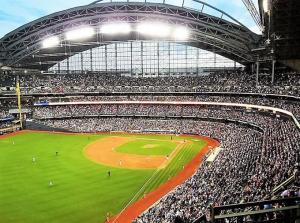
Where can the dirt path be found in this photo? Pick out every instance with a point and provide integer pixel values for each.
(103, 151)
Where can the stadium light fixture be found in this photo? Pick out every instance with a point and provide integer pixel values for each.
(50, 42)
(79, 34)
(154, 29)
(116, 28)
(266, 5)
(181, 33)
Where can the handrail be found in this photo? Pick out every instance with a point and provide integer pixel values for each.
(229, 93)
(240, 214)
(290, 205)
(258, 203)
(12, 128)
(283, 184)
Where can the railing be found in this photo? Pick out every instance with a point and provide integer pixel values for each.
(280, 210)
(284, 184)
(10, 129)
(182, 93)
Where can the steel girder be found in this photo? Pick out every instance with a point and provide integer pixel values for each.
(21, 48)
(254, 13)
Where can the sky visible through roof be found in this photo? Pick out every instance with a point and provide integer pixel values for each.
(15, 13)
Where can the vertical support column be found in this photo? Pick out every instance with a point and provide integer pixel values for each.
(91, 59)
(297, 214)
(58, 67)
(202, 8)
(273, 71)
(215, 59)
(68, 65)
(212, 213)
(186, 59)
(105, 55)
(81, 61)
(257, 72)
(158, 70)
(116, 58)
(131, 59)
(234, 65)
(142, 60)
(169, 55)
(197, 61)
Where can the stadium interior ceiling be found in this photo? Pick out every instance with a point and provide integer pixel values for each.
(190, 28)
(219, 33)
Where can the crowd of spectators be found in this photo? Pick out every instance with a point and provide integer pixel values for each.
(171, 110)
(251, 162)
(289, 104)
(217, 82)
(4, 108)
(3, 113)
(247, 169)
(7, 80)
(8, 103)
(249, 166)
(5, 124)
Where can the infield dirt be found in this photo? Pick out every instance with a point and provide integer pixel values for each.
(103, 152)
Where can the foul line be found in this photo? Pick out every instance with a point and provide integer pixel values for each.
(144, 185)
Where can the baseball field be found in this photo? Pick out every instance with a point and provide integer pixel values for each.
(52, 177)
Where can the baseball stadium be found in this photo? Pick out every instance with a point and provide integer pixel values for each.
(150, 111)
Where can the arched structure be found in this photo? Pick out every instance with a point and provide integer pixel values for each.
(22, 47)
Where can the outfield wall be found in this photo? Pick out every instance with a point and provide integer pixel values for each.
(32, 125)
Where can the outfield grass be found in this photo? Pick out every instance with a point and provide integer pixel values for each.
(82, 191)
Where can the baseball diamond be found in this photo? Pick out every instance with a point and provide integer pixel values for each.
(78, 174)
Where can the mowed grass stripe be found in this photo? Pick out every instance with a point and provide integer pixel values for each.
(175, 166)
(182, 158)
